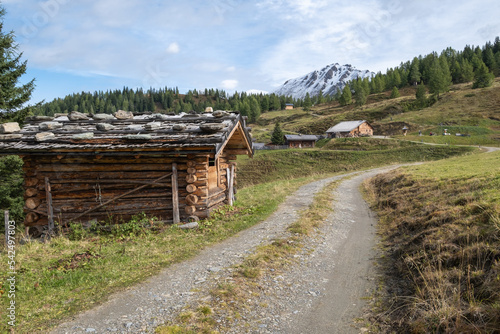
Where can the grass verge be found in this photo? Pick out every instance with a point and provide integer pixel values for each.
(440, 230)
(230, 299)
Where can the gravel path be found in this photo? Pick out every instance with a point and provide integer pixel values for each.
(321, 295)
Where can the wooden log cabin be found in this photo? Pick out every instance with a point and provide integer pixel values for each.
(108, 168)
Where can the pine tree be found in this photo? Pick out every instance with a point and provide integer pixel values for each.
(439, 77)
(12, 95)
(395, 93)
(483, 77)
(415, 75)
(467, 74)
(360, 96)
(277, 137)
(307, 102)
(346, 96)
(421, 95)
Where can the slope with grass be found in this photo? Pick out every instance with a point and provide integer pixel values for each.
(474, 112)
(268, 166)
(440, 229)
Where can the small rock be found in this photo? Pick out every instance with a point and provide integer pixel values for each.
(219, 113)
(103, 117)
(214, 269)
(122, 114)
(152, 126)
(50, 126)
(10, 127)
(211, 127)
(209, 109)
(104, 126)
(128, 325)
(179, 127)
(135, 127)
(189, 226)
(90, 330)
(43, 136)
(77, 116)
(82, 136)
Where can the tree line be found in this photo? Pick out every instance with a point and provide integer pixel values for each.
(169, 100)
(437, 72)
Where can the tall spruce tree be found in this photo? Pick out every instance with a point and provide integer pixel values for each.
(483, 77)
(277, 137)
(12, 95)
(346, 96)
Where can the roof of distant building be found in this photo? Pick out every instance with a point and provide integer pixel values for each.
(345, 126)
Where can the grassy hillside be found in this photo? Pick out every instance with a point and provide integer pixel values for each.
(464, 110)
(440, 229)
(268, 166)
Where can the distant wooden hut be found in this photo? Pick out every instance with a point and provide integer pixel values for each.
(289, 106)
(350, 129)
(300, 141)
(177, 167)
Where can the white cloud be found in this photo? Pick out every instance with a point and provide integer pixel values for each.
(229, 84)
(173, 48)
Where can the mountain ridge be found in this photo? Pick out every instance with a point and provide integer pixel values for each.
(329, 79)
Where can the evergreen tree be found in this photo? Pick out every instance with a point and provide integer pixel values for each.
(346, 96)
(467, 74)
(395, 93)
(254, 110)
(277, 137)
(415, 75)
(439, 78)
(360, 96)
(307, 102)
(490, 61)
(12, 95)
(482, 77)
(421, 95)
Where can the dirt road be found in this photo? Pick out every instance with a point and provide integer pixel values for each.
(321, 294)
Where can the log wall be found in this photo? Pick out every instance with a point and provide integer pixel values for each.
(81, 183)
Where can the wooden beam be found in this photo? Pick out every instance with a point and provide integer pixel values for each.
(175, 195)
(231, 184)
(118, 197)
(230, 188)
(48, 195)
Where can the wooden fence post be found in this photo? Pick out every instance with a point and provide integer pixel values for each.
(175, 195)
(50, 210)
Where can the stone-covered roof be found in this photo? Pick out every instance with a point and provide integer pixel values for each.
(301, 137)
(345, 126)
(127, 132)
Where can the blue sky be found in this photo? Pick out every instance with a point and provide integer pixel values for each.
(88, 45)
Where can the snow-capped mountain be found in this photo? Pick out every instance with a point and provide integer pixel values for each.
(329, 79)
